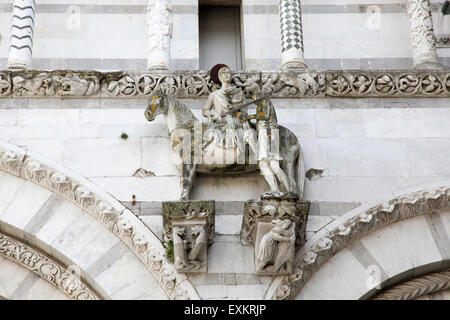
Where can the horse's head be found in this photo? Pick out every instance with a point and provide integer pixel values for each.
(157, 105)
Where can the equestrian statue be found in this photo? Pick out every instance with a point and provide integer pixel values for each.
(231, 141)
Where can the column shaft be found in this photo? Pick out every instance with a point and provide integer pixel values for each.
(159, 22)
(422, 35)
(22, 29)
(291, 34)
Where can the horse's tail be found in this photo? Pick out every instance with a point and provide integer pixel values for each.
(300, 172)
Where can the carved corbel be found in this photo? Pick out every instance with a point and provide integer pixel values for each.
(189, 229)
(275, 227)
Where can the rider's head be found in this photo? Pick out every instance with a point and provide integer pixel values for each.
(220, 73)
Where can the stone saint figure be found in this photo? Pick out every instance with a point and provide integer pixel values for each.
(234, 129)
(275, 245)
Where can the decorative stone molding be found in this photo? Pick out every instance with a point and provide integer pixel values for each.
(197, 84)
(22, 29)
(271, 218)
(159, 23)
(422, 35)
(189, 226)
(317, 251)
(443, 42)
(49, 270)
(291, 34)
(114, 216)
(417, 287)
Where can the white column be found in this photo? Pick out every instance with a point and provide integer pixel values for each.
(291, 34)
(159, 22)
(422, 35)
(22, 28)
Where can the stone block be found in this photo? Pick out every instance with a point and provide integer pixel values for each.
(62, 218)
(225, 252)
(109, 281)
(10, 186)
(149, 189)
(212, 291)
(343, 123)
(113, 116)
(155, 224)
(75, 237)
(24, 205)
(315, 223)
(314, 153)
(228, 224)
(8, 117)
(254, 29)
(416, 238)
(349, 189)
(47, 117)
(367, 157)
(224, 188)
(134, 131)
(51, 149)
(247, 292)
(387, 250)
(103, 157)
(429, 157)
(407, 122)
(345, 280)
(157, 157)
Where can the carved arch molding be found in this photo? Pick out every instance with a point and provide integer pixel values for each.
(98, 204)
(46, 268)
(356, 225)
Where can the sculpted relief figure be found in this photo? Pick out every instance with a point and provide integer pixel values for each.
(233, 129)
(228, 143)
(277, 248)
(190, 248)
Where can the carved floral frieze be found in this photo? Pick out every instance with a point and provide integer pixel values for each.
(197, 84)
(309, 259)
(62, 278)
(119, 220)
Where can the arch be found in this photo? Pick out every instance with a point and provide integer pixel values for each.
(402, 239)
(38, 188)
(31, 275)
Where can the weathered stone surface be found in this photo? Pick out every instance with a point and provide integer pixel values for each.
(189, 84)
(190, 227)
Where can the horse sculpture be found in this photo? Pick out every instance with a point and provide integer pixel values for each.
(179, 118)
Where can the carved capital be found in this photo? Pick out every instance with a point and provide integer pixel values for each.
(189, 227)
(274, 227)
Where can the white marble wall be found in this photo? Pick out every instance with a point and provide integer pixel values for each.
(112, 35)
(367, 148)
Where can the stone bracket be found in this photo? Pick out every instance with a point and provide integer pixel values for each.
(189, 226)
(267, 225)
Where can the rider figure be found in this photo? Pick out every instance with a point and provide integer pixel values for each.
(269, 145)
(234, 129)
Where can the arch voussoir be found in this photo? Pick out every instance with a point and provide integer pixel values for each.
(103, 207)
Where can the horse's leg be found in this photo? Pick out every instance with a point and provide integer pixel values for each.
(187, 178)
(288, 167)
